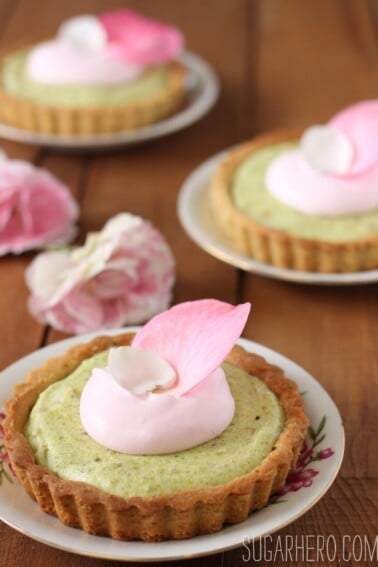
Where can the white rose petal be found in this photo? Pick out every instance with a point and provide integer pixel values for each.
(84, 32)
(327, 150)
(119, 224)
(140, 371)
(44, 274)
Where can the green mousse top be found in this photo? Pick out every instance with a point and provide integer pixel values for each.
(17, 82)
(59, 441)
(252, 197)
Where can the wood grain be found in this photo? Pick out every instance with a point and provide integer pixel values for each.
(355, 524)
(281, 64)
(313, 59)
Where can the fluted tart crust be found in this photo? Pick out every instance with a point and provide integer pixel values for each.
(83, 121)
(178, 515)
(276, 247)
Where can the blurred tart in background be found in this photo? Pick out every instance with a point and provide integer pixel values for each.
(112, 72)
(306, 201)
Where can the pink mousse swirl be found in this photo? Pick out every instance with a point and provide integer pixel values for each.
(59, 62)
(192, 339)
(295, 182)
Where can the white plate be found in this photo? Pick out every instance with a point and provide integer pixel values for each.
(196, 218)
(23, 514)
(203, 91)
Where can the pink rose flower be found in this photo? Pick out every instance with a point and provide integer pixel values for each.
(138, 40)
(35, 208)
(122, 275)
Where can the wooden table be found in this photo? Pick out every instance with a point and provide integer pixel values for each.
(281, 63)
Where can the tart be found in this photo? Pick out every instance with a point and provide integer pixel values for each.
(173, 495)
(92, 79)
(304, 200)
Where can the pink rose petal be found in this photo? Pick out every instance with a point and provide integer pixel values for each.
(135, 39)
(194, 337)
(359, 123)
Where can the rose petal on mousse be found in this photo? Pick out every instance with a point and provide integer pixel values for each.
(138, 40)
(194, 337)
(327, 149)
(140, 371)
(360, 123)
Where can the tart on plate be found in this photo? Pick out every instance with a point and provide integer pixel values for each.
(305, 201)
(146, 442)
(112, 72)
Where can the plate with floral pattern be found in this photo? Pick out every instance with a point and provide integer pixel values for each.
(317, 467)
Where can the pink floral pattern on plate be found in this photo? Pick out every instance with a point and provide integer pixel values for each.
(5, 466)
(304, 474)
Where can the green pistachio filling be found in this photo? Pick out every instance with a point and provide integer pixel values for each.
(17, 82)
(252, 197)
(59, 441)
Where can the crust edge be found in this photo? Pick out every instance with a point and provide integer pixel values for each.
(172, 516)
(277, 247)
(81, 121)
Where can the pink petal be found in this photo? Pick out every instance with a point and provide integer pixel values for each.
(7, 205)
(359, 122)
(35, 208)
(194, 337)
(59, 319)
(85, 309)
(139, 40)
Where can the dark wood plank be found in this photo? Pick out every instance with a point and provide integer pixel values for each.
(314, 58)
(317, 538)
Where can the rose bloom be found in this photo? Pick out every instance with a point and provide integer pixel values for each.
(122, 275)
(35, 208)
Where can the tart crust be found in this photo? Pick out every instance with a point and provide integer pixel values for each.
(82, 121)
(178, 515)
(277, 247)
